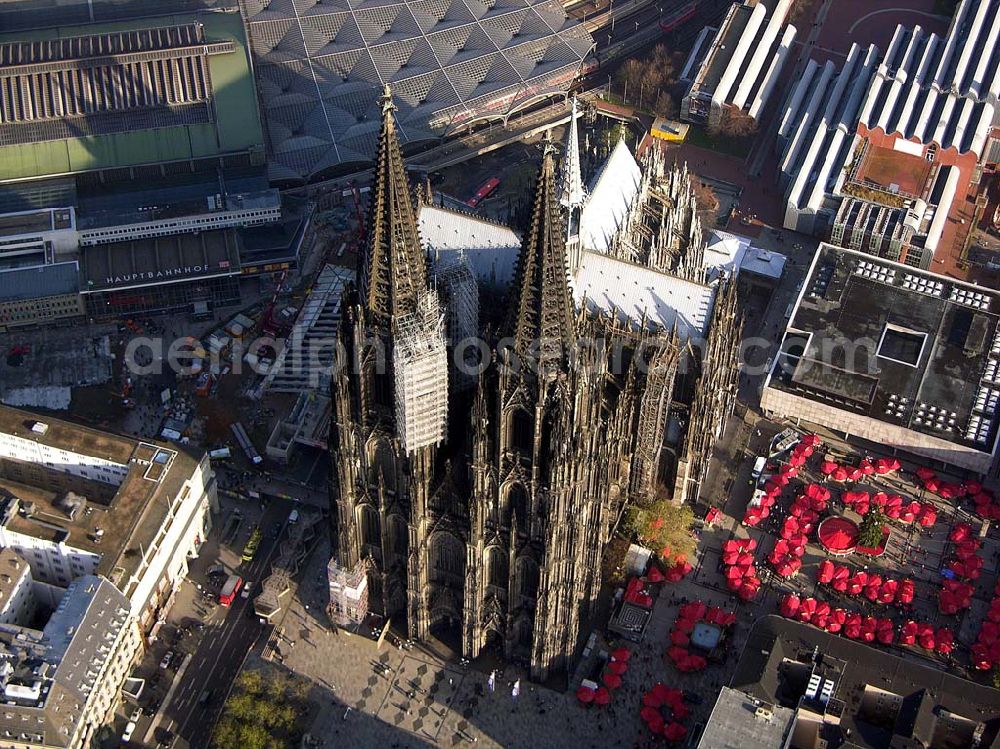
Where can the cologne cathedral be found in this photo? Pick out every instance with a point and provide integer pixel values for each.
(475, 506)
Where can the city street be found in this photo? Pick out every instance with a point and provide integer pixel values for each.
(228, 636)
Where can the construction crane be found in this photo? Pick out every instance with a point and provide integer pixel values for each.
(270, 323)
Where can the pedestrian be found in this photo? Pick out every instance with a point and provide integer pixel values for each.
(516, 690)
(492, 681)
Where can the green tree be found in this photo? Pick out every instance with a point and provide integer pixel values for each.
(996, 677)
(665, 527)
(870, 533)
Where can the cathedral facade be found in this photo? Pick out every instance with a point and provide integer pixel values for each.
(481, 514)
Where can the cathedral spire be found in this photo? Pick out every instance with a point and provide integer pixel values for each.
(393, 270)
(571, 188)
(542, 307)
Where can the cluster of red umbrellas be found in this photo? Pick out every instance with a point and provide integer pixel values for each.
(741, 573)
(986, 651)
(867, 467)
(872, 586)
(925, 636)
(893, 505)
(945, 489)
(612, 679)
(804, 450)
(600, 696)
(680, 636)
(636, 593)
(659, 697)
(955, 596)
(855, 626)
(675, 573)
(616, 668)
(772, 488)
(849, 623)
(985, 502)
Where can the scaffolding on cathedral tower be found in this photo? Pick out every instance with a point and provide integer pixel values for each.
(420, 363)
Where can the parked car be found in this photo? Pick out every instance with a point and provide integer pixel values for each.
(127, 733)
(247, 587)
(167, 660)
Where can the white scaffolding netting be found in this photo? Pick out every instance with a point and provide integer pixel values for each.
(420, 364)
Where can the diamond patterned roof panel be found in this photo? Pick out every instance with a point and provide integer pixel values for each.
(261, 10)
(321, 31)
(334, 69)
(552, 13)
(441, 57)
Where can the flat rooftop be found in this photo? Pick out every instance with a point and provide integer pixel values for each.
(877, 695)
(720, 54)
(149, 262)
(734, 723)
(896, 344)
(129, 515)
(23, 223)
(172, 196)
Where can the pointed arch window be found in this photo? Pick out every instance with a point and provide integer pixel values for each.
(496, 567)
(522, 432)
(371, 532)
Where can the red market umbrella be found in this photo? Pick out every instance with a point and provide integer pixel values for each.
(585, 694)
(840, 474)
(850, 498)
(932, 485)
(866, 466)
(680, 710)
(654, 575)
(620, 667)
(651, 701)
(811, 440)
(675, 731)
(665, 694)
(928, 515)
(789, 605)
(825, 571)
(945, 640)
(924, 473)
(679, 638)
(960, 532)
(827, 467)
(747, 592)
(612, 681)
(797, 460)
(602, 696)
(621, 654)
(648, 712)
(838, 534)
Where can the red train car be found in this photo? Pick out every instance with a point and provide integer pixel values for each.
(483, 192)
(678, 17)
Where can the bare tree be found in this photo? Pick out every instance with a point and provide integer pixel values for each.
(735, 123)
